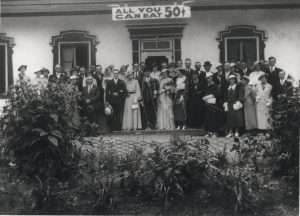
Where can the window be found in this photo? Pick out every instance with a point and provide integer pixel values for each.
(242, 43)
(154, 45)
(6, 69)
(75, 47)
(160, 42)
(72, 54)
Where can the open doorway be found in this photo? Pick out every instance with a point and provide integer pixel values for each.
(156, 59)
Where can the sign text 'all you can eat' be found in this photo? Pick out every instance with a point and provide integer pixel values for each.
(151, 12)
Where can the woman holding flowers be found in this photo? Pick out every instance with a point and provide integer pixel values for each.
(165, 115)
(211, 98)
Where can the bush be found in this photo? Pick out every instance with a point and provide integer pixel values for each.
(286, 127)
(38, 130)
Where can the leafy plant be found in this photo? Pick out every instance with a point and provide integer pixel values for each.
(105, 197)
(285, 121)
(38, 131)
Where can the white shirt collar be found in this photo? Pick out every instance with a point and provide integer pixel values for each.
(232, 87)
(272, 68)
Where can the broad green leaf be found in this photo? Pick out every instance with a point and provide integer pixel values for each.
(53, 140)
(54, 117)
(57, 134)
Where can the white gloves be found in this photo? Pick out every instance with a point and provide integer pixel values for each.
(237, 105)
(225, 105)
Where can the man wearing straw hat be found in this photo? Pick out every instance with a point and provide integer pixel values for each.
(115, 95)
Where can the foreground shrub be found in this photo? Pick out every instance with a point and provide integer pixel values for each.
(38, 130)
(286, 128)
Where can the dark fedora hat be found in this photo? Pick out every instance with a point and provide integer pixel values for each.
(25, 66)
(207, 63)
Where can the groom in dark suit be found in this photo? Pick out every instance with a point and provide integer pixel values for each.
(150, 88)
(115, 96)
(91, 99)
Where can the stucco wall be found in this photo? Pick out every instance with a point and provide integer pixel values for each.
(282, 27)
(33, 35)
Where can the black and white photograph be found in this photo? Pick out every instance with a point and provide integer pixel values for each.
(149, 107)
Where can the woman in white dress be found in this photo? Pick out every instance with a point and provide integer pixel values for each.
(165, 115)
(263, 103)
(254, 76)
(132, 114)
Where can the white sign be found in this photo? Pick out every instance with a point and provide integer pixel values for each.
(151, 12)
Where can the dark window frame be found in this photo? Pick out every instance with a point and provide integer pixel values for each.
(9, 43)
(242, 31)
(74, 36)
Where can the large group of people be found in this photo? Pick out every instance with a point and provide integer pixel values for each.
(227, 100)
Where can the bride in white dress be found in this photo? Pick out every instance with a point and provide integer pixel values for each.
(165, 115)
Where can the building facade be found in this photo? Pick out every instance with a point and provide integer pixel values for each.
(77, 32)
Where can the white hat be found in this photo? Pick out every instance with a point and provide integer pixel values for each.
(108, 110)
(262, 74)
(209, 74)
(73, 77)
(218, 65)
(231, 76)
(37, 70)
(232, 64)
(255, 63)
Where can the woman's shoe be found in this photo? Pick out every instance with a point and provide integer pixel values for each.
(184, 127)
(236, 134)
(178, 128)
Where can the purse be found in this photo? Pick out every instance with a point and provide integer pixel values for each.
(134, 106)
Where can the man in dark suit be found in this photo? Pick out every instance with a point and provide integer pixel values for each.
(98, 75)
(188, 69)
(244, 69)
(282, 86)
(81, 77)
(90, 99)
(57, 76)
(115, 96)
(273, 74)
(135, 70)
(150, 88)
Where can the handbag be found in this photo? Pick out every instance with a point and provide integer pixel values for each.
(134, 106)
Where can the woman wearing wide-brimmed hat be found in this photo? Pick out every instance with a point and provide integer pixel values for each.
(234, 107)
(249, 96)
(132, 113)
(257, 72)
(179, 100)
(23, 78)
(211, 99)
(263, 103)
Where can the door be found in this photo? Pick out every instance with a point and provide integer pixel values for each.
(2, 69)
(156, 59)
(244, 49)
